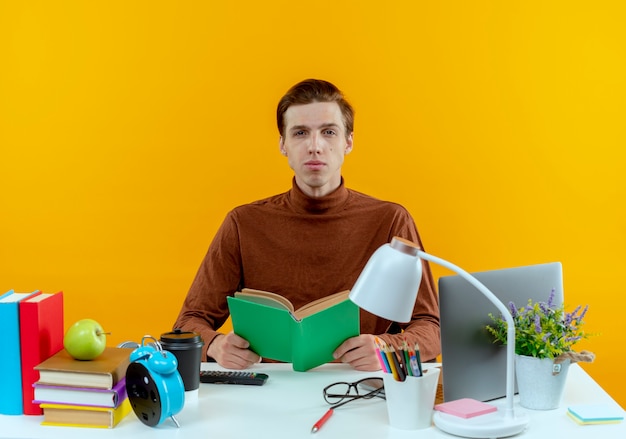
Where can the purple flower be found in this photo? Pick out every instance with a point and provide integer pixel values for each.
(567, 321)
(513, 309)
(538, 324)
(551, 298)
(582, 314)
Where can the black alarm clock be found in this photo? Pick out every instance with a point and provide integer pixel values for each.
(154, 386)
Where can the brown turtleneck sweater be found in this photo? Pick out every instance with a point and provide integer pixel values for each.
(305, 248)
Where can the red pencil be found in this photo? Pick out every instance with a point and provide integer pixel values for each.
(322, 421)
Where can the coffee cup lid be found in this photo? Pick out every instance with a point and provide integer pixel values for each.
(178, 336)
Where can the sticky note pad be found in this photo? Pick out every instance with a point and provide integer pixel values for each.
(595, 413)
(466, 408)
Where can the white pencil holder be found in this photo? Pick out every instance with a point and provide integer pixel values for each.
(410, 402)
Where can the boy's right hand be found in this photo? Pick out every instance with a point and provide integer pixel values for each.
(231, 351)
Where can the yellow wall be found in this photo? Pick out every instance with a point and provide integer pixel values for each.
(129, 128)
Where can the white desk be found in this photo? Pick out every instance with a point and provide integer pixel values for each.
(290, 402)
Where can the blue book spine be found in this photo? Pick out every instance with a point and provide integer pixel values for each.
(11, 402)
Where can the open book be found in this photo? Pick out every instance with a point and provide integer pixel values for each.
(305, 337)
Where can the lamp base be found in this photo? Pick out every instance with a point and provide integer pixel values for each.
(490, 426)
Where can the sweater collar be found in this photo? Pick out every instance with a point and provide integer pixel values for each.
(326, 204)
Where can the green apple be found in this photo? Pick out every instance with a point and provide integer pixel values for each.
(85, 339)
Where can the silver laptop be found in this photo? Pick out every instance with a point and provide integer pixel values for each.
(473, 366)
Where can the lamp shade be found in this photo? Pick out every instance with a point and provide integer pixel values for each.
(388, 284)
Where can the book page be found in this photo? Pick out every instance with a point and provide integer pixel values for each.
(320, 304)
(75, 379)
(38, 298)
(265, 298)
(15, 297)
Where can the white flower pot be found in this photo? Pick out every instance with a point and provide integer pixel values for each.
(540, 382)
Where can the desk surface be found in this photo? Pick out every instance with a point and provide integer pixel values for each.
(290, 402)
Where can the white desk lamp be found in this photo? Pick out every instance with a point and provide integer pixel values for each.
(388, 287)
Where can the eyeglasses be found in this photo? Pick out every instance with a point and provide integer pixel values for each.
(338, 394)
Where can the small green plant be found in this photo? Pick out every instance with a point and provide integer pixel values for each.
(541, 330)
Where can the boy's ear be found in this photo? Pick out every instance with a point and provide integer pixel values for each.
(349, 143)
(281, 146)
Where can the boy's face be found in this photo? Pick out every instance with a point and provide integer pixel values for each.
(315, 143)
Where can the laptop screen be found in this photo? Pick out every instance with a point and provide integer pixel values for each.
(473, 366)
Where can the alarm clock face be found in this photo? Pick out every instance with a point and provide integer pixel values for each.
(143, 394)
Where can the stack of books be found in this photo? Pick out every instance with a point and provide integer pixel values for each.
(76, 393)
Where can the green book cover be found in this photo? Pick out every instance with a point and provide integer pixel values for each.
(305, 337)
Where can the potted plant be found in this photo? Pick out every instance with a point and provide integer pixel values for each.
(544, 338)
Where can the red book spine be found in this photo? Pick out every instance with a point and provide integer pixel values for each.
(41, 336)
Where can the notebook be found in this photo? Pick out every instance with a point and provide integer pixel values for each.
(473, 366)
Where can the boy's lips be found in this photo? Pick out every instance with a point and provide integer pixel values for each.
(314, 164)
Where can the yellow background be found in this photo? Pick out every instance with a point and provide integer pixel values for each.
(128, 129)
